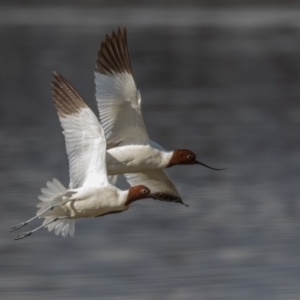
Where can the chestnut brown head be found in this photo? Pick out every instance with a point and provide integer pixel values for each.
(137, 192)
(186, 157)
(182, 157)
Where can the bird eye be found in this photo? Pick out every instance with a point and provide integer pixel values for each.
(144, 191)
(189, 156)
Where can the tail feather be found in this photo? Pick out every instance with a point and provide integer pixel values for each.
(54, 193)
(63, 226)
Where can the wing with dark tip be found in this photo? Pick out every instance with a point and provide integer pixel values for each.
(161, 186)
(118, 100)
(84, 136)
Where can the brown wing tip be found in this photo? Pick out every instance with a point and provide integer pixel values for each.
(66, 99)
(113, 56)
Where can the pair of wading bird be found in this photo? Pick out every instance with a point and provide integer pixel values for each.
(99, 152)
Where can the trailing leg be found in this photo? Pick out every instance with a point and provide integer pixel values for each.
(38, 215)
(28, 233)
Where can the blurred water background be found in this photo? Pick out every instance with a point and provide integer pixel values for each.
(217, 77)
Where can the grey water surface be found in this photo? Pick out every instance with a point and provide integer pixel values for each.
(222, 82)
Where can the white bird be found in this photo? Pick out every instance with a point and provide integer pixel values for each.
(90, 193)
(130, 150)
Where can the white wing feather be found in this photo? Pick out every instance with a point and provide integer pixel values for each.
(84, 136)
(86, 149)
(119, 107)
(119, 101)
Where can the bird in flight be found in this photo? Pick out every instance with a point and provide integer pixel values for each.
(129, 148)
(90, 194)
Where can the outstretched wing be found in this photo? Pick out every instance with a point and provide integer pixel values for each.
(84, 136)
(161, 186)
(118, 100)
